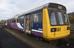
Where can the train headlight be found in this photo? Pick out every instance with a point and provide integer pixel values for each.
(53, 29)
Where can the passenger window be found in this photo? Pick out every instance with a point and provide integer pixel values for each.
(21, 18)
(28, 19)
(37, 21)
(39, 17)
(36, 18)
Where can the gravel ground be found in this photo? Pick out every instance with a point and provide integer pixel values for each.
(9, 41)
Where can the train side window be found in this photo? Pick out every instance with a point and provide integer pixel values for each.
(40, 20)
(37, 20)
(21, 20)
(38, 17)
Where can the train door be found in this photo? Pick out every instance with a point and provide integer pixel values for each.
(27, 26)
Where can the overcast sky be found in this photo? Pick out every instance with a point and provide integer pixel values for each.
(10, 8)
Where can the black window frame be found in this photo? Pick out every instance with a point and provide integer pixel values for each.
(56, 10)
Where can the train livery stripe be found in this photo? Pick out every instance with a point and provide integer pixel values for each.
(37, 30)
(19, 25)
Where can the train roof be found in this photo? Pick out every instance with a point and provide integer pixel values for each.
(54, 5)
(35, 9)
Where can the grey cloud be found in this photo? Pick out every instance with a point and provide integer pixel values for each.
(14, 7)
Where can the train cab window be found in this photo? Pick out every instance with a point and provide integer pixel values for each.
(57, 17)
(60, 18)
(66, 18)
(53, 18)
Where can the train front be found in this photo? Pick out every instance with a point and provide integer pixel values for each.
(55, 23)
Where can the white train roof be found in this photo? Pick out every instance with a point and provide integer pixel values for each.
(35, 9)
(38, 8)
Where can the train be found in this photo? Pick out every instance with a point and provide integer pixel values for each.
(49, 21)
(71, 18)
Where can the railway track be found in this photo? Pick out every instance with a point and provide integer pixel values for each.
(35, 43)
